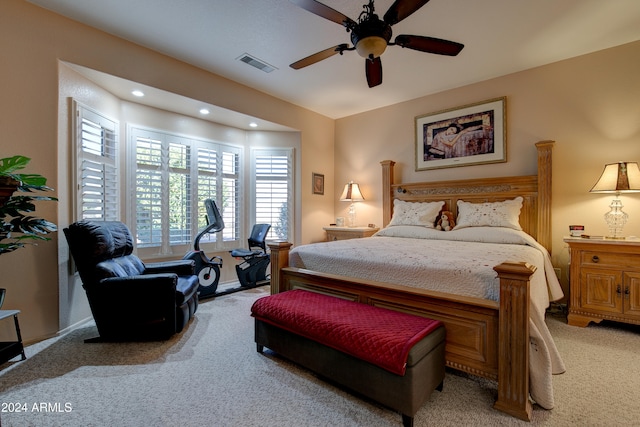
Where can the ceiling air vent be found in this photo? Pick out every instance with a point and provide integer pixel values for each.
(255, 62)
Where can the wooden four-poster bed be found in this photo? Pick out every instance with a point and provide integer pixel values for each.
(486, 338)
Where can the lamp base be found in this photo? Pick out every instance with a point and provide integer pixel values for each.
(616, 218)
(352, 215)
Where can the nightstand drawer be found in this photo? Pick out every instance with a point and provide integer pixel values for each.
(345, 233)
(605, 259)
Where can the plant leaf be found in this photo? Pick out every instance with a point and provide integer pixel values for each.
(15, 226)
(33, 182)
(31, 225)
(11, 164)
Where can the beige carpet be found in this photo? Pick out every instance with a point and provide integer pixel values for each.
(211, 375)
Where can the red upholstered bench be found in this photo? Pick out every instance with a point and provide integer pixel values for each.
(396, 359)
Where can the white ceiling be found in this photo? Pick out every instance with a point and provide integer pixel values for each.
(500, 37)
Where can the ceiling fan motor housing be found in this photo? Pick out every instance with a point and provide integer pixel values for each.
(371, 37)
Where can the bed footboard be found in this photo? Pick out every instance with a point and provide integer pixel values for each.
(484, 338)
(513, 342)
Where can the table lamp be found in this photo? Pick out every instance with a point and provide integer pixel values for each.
(351, 193)
(621, 177)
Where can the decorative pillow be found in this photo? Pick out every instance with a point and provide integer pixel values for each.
(410, 231)
(491, 235)
(415, 213)
(490, 214)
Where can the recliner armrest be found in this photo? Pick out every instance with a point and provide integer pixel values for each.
(182, 267)
(148, 283)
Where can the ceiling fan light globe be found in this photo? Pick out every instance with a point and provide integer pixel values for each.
(371, 47)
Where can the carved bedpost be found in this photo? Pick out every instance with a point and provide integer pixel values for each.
(544, 193)
(279, 260)
(513, 350)
(387, 196)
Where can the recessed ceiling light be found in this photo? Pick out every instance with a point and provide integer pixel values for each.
(204, 111)
(137, 93)
(253, 124)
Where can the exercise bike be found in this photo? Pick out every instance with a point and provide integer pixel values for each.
(207, 269)
(254, 270)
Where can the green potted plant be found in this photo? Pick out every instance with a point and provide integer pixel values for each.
(18, 227)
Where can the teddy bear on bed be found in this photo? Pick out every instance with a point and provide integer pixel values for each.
(445, 222)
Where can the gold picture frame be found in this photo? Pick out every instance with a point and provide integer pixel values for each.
(317, 183)
(469, 135)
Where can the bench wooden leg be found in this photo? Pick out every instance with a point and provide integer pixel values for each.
(407, 421)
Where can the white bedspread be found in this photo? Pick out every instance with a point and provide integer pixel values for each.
(459, 262)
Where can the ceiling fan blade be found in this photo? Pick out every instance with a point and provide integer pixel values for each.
(326, 12)
(373, 69)
(401, 9)
(319, 56)
(429, 44)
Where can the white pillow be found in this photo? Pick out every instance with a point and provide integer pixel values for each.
(415, 213)
(410, 231)
(490, 235)
(490, 214)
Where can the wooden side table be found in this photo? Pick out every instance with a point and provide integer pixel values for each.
(345, 233)
(604, 281)
(11, 349)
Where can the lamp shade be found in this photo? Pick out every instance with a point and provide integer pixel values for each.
(351, 193)
(621, 177)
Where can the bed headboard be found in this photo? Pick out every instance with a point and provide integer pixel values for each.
(535, 217)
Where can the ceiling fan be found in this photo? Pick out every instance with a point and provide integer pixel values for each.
(371, 35)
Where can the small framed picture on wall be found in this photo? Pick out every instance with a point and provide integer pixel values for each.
(318, 183)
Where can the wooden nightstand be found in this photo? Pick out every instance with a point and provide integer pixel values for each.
(345, 233)
(604, 280)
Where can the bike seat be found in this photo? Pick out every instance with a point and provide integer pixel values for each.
(247, 253)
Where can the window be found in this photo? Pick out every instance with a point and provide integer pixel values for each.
(96, 154)
(273, 189)
(168, 177)
(218, 179)
(173, 176)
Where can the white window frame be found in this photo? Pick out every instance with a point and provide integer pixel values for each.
(289, 179)
(227, 239)
(96, 177)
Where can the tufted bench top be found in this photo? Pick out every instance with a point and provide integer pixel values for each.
(386, 338)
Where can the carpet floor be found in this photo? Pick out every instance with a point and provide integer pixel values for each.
(212, 375)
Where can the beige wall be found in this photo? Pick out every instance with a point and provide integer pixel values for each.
(589, 105)
(32, 42)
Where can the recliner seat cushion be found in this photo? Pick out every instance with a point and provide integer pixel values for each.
(121, 267)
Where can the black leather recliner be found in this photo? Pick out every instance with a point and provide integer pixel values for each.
(130, 300)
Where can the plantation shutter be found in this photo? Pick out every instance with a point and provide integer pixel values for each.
(173, 175)
(96, 154)
(148, 190)
(231, 194)
(273, 172)
(207, 188)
